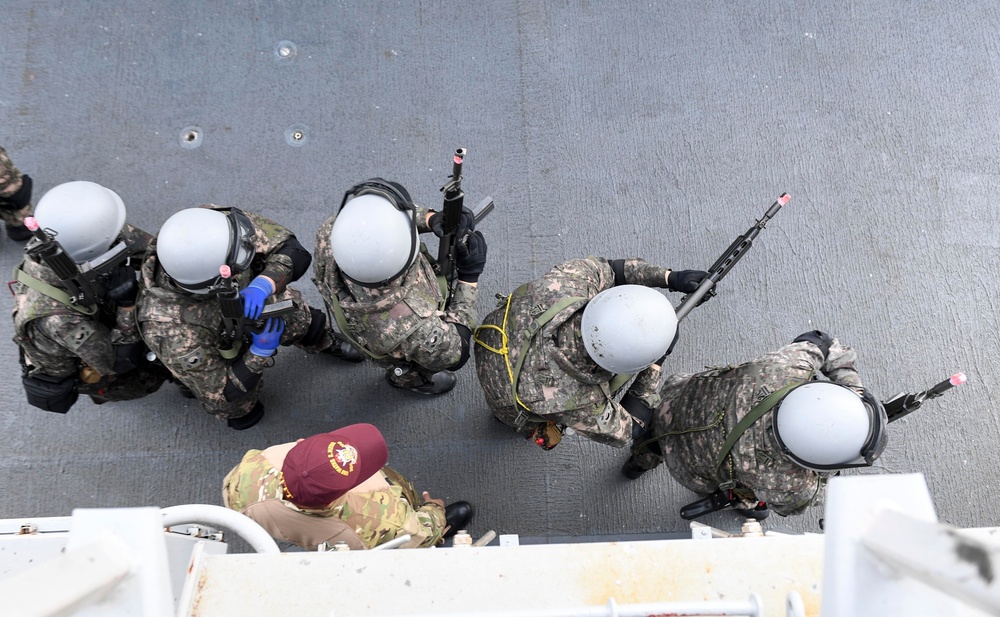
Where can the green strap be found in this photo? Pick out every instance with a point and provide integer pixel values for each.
(445, 289)
(619, 381)
(765, 405)
(233, 351)
(338, 315)
(48, 290)
(532, 329)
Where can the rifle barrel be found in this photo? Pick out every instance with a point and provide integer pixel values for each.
(733, 254)
(456, 167)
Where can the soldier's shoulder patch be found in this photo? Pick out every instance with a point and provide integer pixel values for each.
(192, 359)
(78, 335)
(760, 393)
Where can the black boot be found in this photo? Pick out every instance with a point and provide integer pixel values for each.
(244, 422)
(632, 470)
(185, 391)
(409, 379)
(458, 515)
(345, 351)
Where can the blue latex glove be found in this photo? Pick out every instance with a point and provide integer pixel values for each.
(265, 342)
(254, 296)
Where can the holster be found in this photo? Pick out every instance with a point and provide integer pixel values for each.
(714, 502)
(50, 393)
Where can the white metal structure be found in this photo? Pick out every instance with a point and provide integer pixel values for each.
(883, 554)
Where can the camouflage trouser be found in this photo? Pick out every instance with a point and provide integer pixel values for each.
(647, 453)
(137, 383)
(413, 375)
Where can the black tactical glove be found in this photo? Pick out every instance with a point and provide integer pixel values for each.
(685, 281)
(466, 223)
(818, 338)
(122, 286)
(471, 257)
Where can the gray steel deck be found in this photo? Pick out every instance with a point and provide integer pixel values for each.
(654, 129)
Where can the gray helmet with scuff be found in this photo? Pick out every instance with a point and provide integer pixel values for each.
(628, 327)
(825, 426)
(194, 243)
(374, 238)
(86, 218)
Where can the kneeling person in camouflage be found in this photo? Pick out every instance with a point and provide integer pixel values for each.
(187, 284)
(335, 487)
(562, 351)
(382, 289)
(74, 302)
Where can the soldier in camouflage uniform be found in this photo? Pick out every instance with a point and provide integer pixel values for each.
(559, 384)
(334, 487)
(71, 348)
(15, 198)
(696, 413)
(180, 314)
(383, 290)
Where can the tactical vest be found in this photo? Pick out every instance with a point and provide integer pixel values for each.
(401, 310)
(31, 304)
(555, 316)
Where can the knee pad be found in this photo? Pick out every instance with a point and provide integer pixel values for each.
(316, 328)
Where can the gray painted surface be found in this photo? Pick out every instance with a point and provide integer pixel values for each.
(658, 130)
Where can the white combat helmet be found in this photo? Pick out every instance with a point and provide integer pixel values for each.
(194, 243)
(825, 426)
(374, 241)
(86, 217)
(628, 327)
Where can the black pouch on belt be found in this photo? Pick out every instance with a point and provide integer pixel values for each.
(51, 393)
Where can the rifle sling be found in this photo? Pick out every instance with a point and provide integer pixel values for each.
(51, 291)
(529, 333)
(341, 319)
(756, 412)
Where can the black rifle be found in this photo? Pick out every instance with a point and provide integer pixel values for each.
(904, 404)
(85, 285)
(234, 325)
(732, 255)
(454, 202)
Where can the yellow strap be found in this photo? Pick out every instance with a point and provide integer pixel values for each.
(503, 351)
(528, 335)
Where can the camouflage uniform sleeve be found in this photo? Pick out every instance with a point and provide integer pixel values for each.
(436, 343)
(422, 227)
(15, 192)
(126, 331)
(248, 482)
(10, 176)
(839, 366)
(430, 524)
(137, 240)
(268, 238)
(462, 309)
(646, 386)
(641, 272)
(324, 270)
(593, 272)
(82, 337)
